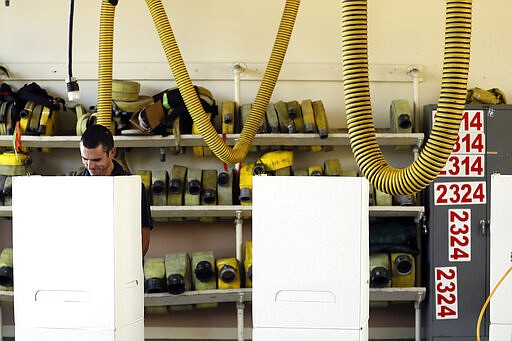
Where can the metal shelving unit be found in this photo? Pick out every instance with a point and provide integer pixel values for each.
(239, 212)
(242, 295)
(246, 211)
(157, 141)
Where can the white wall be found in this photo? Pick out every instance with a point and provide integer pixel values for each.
(215, 34)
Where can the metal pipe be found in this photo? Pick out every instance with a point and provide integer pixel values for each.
(240, 306)
(239, 236)
(237, 70)
(417, 315)
(415, 74)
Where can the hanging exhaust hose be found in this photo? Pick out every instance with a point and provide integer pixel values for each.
(257, 114)
(106, 45)
(361, 127)
(175, 60)
(360, 123)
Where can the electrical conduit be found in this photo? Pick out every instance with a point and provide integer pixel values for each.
(361, 127)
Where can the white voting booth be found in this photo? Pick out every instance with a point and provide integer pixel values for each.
(500, 328)
(310, 258)
(77, 258)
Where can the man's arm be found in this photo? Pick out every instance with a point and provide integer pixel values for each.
(146, 233)
(146, 221)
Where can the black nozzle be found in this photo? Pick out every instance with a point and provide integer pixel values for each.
(223, 179)
(379, 277)
(228, 118)
(194, 187)
(158, 187)
(6, 276)
(204, 271)
(176, 186)
(404, 121)
(176, 284)
(209, 196)
(154, 285)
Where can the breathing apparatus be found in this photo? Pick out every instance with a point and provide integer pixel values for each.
(361, 127)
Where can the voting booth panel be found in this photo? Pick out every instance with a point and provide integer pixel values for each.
(77, 254)
(310, 258)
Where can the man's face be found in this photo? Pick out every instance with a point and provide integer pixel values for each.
(97, 161)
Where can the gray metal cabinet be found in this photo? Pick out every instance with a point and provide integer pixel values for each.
(456, 267)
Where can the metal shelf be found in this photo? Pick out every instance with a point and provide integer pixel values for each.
(246, 211)
(143, 141)
(416, 294)
(195, 297)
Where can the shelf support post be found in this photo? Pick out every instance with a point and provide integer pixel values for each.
(240, 306)
(239, 236)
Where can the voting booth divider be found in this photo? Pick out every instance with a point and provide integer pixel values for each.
(77, 258)
(310, 258)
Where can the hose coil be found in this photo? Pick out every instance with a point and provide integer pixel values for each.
(361, 128)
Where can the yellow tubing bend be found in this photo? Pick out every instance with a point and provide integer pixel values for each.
(355, 80)
(360, 123)
(175, 60)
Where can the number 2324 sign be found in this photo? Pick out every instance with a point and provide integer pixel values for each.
(460, 193)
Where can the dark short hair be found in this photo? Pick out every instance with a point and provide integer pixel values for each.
(97, 135)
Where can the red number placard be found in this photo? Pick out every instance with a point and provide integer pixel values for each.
(472, 120)
(469, 143)
(446, 293)
(459, 165)
(459, 235)
(460, 193)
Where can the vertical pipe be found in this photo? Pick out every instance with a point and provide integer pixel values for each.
(417, 324)
(415, 74)
(239, 236)
(240, 319)
(237, 70)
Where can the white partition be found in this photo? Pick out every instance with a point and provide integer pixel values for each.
(77, 255)
(500, 258)
(310, 258)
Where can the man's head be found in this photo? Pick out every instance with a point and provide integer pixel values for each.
(97, 150)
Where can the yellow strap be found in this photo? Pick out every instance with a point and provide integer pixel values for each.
(277, 159)
(228, 117)
(246, 183)
(27, 114)
(13, 159)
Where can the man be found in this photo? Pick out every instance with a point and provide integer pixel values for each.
(98, 151)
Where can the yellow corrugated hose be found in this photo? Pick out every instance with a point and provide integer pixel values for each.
(106, 45)
(449, 111)
(175, 60)
(357, 93)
